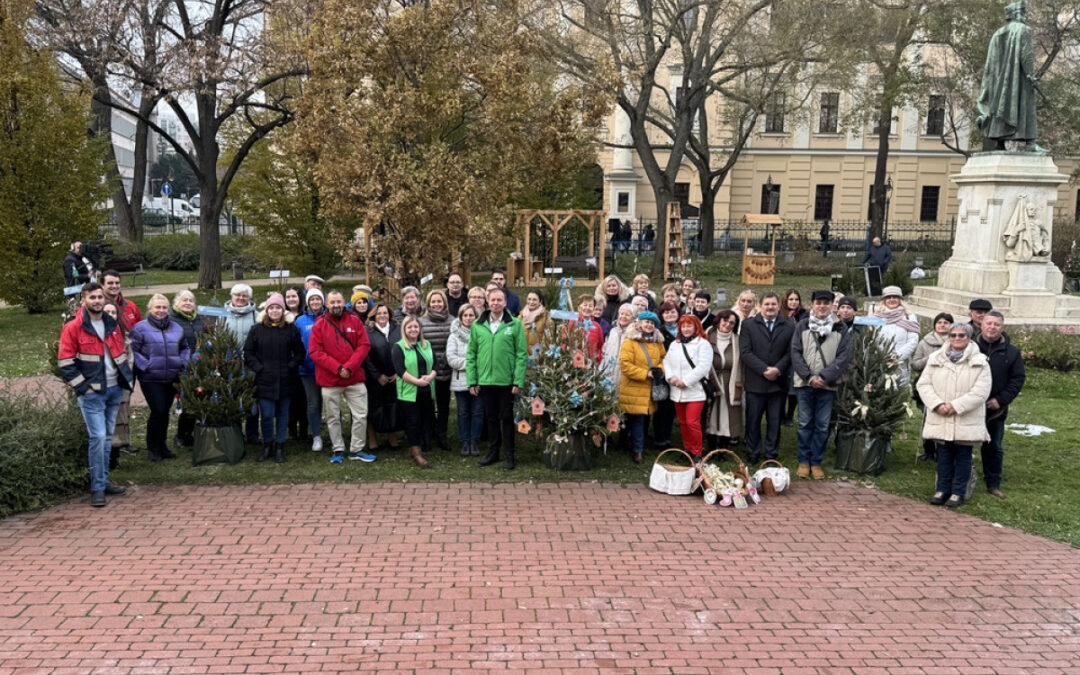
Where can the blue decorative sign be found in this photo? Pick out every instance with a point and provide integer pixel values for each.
(207, 310)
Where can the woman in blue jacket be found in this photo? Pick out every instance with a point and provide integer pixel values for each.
(161, 352)
(312, 392)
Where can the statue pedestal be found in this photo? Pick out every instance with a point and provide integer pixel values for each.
(991, 185)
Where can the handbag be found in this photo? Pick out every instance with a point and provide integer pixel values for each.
(706, 384)
(660, 389)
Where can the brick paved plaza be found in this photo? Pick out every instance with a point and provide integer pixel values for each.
(832, 578)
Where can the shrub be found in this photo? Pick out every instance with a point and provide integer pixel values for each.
(1049, 349)
(181, 252)
(43, 448)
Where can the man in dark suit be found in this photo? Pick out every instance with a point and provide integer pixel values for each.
(765, 348)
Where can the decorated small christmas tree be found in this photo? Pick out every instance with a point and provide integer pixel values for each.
(568, 400)
(870, 405)
(216, 388)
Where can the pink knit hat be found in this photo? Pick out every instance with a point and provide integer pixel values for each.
(275, 299)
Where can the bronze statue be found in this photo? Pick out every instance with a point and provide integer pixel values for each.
(1007, 97)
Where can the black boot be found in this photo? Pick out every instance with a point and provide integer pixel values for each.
(279, 452)
(490, 458)
(509, 463)
(114, 458)
(267, 448)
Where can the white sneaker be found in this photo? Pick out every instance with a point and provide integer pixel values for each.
(316, 445)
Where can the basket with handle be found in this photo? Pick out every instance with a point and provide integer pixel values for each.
(767, 480)
(673, 479)
(739, 472)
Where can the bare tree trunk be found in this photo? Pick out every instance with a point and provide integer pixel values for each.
(211, 202)
(707, 218)
(663, 194)
(877, 202)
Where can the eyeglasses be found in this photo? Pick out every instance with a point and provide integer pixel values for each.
(958, 335)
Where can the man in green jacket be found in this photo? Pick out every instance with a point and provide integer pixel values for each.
(495, 371)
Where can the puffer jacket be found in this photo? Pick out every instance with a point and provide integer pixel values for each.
(930, 343)
(457, 350)
(160, 353)
(903, 346)
(677, 365)
(193, 328)
(239, 321)
(436, 328)
(274, 353)
(304, 323)
(635, 383)
(964, 384)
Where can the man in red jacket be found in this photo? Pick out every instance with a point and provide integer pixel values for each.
(338, 346)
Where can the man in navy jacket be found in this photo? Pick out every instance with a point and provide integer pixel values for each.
(765, 349)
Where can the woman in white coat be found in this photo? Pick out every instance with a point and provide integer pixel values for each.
(954, 387)
(686, 366)
(610, 361)
(901, 330)
(470, 414)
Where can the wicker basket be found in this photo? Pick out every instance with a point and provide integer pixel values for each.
(739, 471)
(766, 483)
(673, 479)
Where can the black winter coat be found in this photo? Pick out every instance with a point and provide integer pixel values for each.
(760, 349)
(378, 361)
(1007, 369)
(192, 329)
(274, 354)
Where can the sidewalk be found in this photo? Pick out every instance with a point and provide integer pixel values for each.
(831, 578)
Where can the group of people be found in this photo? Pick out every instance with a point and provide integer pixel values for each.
(314, 352)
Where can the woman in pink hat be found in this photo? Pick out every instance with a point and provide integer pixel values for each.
(274, 351)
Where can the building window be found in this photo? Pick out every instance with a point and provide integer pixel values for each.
(828, 119)
(770, 198)
(774, 115)
(935, 116)
(928, 208)
(823, 199)
(623, 202)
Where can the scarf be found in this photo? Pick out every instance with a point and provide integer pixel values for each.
(160, 324)
(898, 317)
(955, 356)
(672, 329)
(529, 316)
(437, 316)
(654, 336)
(385, 330)
(821, 327)
(188, 316)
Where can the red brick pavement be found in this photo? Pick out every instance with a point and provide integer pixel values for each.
(571, 577)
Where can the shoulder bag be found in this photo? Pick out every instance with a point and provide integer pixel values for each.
(660, 389)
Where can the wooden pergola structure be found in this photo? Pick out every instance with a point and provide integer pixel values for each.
(526, 268)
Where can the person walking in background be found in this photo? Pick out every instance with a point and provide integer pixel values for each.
(306, 372)
(93, 361)
(161, 353)
(725, 416)
(185, 313)
(930, 343)
(338, 346)
(765, 352)
(824, 233)
(641, 362)
(381, 378)
(495, 371)
(1007, 379)
(435, 323)
(274, 351)
(878, 255)
(900, 334)
(954, 387)
(414, 363)
(686, 366)
(470, 412)
(76, 268)
(820, 354)
(239, 320)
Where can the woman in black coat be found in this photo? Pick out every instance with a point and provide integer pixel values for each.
(380, 377)
(274, 351)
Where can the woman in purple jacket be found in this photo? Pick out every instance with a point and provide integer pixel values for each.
(161, 351)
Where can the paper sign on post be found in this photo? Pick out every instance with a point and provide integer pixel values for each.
(563, 315)
(552, 270)
(426, 278)
(73, 290)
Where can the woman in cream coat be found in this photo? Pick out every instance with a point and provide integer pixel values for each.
(954, 386)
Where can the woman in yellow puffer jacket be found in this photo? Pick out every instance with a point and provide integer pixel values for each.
(642, 351)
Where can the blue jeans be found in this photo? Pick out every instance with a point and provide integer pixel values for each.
(314, 404)
(635, 426)
(993, 452)
(815, 412)
(470, 416)
(99, 412)
(953, 468)
(269, 409)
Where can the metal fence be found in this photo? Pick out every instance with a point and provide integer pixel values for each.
(111, 231)
(793, 235)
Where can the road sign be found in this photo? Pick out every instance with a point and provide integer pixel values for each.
(166, 189)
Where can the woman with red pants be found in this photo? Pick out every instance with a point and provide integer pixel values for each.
(686, 366)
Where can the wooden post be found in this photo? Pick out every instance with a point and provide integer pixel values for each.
(526, 232)
(367, 256)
